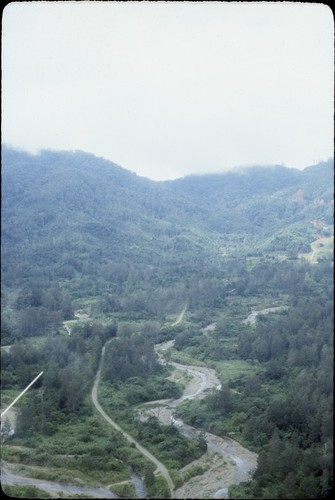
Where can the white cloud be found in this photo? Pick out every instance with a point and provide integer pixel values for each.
(169, 88)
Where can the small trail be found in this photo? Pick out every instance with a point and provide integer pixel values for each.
(180, 317)
(160, 467)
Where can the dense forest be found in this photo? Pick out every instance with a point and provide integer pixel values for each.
(84, 238)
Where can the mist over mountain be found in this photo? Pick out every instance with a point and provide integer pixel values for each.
(72, 208)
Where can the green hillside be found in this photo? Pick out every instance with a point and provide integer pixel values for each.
(234, 271)
(69, 212)
(274, 206)
(74, 225)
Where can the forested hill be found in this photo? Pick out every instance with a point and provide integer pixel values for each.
(263, 198)
(245, 259)
(71, 212)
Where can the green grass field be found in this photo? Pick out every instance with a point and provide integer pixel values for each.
(235, 368)
(322, 248)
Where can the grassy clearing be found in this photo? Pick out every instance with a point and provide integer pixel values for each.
(124, 489)
(194, 470)
(65, 469)
(239, 309)
(83, 452)
(235, 368)
(8, 396)
(38, 341)
(183, 358)
(322, 248)
(57, 475)
(24, 491)
(148, 406)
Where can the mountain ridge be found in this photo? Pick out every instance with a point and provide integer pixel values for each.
(74, 208)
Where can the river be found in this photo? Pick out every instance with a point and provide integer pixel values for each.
(251, 319)
(226, 462)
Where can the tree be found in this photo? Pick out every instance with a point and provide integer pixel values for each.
(221, 400)
(149, 478)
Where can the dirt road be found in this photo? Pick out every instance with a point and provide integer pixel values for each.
(160, 467)
(225, 463)
(8, 476)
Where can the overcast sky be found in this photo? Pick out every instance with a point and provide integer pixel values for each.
(166, 89)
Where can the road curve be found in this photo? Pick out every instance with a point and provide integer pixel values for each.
(160, 467)
(8, 477)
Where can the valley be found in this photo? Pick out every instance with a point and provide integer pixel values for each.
(225, 458)
(184, 329)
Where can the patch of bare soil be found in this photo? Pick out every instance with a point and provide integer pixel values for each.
(218, 475)
(225, 463)
(10, 417)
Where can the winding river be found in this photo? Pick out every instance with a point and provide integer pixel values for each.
(251, 319)
(237, 463)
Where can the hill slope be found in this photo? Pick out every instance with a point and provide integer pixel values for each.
(65, 214)
(81, 234)
(70, 210)
(273, 204)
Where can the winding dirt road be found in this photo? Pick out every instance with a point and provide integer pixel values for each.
(225, 463)
(160, 467)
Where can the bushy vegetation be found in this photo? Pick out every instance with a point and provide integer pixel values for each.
(164, 441)
(81, 232)
(83, 447)
(284, 409)
(24, 492)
